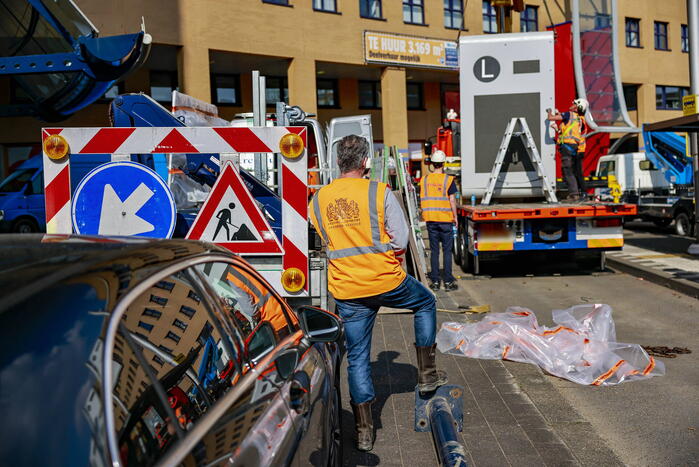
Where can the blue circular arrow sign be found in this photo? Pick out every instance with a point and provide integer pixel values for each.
(124, 198)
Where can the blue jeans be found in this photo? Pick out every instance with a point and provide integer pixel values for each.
(440, 232)
(359, 315)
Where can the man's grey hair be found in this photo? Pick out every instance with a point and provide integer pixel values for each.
(351, 151)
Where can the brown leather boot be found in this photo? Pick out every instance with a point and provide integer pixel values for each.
(364, 425)
(428, 377)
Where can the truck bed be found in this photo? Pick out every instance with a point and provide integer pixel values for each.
(544, 210)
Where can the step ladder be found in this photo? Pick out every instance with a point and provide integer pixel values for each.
(526, 137)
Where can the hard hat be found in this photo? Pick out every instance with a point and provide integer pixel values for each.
(438, 156)
(581, 105)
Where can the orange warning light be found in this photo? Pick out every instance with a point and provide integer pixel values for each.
(56, 147)
(293, 280)
(291, 146)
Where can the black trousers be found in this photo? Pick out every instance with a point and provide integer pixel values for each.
(568, 156)
(579, 173)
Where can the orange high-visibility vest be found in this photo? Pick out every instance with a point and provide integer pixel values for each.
(349, 216)
(583, 129)
(570, 132)
(434, 199)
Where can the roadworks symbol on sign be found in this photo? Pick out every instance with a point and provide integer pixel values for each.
(231, 218)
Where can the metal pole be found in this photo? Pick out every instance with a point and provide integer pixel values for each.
(259, 107)
(446, 440)
(693, 24)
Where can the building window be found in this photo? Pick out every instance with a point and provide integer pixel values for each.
(277, 2)
(603, 21)
(193, 296)
(661, 36)
(685, 37)
(631, 96)
(327, 93)
(529, 19)
(669, 97)
(172, 336)
(490, 22)
(152, 313)
(180, 324)
(165, 285)
(158, 300)
(370, 9)
(225, 89)
(158, 360)
(415, 100)
(162, 83)
(146, 326)
(369, 95)
(113, 92)
(633, 32)
(325, 5)
(187, 311)
(453, 14)
(413, 12)
(276, 90)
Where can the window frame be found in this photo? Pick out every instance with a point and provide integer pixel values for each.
(635, 87)
(368, 9)
(491, 16)
(278, 2)
(376, 94)
(412, 5)
(683, 91)
(324, 10)
(525, 20)
(684, 38)
(238, 102)
(283, 89)
(174, 84)
(628, 22)
(336, 93)
(657, 35)
(421, 92)
(449, 13)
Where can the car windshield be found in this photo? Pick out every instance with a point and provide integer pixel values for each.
(606, 168)
(17, 180)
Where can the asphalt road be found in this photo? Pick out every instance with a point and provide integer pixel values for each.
(651, 422)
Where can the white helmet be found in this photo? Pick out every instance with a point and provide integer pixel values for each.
(438, 156)
(581, 105)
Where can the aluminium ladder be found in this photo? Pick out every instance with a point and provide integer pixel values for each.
(526, 137)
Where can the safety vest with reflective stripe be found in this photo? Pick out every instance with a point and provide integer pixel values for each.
(434, 199)
(571, 131)
(583, 130)
(349, 216)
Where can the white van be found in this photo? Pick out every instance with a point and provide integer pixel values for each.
(634, 172)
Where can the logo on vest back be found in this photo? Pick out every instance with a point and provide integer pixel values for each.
(343, 213)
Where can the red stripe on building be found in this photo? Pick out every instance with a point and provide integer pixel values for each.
(107, 141)
(243, 140)
(175, 142)
(294, 192)
(57, 193)
(294, 258)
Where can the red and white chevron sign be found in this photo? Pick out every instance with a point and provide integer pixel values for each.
(184, 140)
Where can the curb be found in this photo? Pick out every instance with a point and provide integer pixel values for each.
(679, 285)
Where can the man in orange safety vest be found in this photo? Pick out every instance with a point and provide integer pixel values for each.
(363, 226)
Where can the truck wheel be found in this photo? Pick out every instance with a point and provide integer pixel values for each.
(682, 225)
(464, 260)
(25, 225)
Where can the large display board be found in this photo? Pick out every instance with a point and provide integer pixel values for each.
(505, 76)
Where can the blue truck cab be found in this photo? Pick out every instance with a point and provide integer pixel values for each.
(22, 199)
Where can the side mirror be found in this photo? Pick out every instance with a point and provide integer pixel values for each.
(427, 147)
(319, 325)
(646, 165)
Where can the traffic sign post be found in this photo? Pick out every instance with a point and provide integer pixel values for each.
(124, 198)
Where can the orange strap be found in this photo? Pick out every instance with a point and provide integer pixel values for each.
(603, 377)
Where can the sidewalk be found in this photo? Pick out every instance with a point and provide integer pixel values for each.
(656, 256)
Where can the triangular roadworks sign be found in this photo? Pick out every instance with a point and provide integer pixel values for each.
(231, 218)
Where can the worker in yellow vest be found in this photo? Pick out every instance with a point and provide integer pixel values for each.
(570, 136)
(438, 203)
(363, 228)
(580, 157)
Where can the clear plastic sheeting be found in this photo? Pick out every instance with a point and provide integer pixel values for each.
(582, 347)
